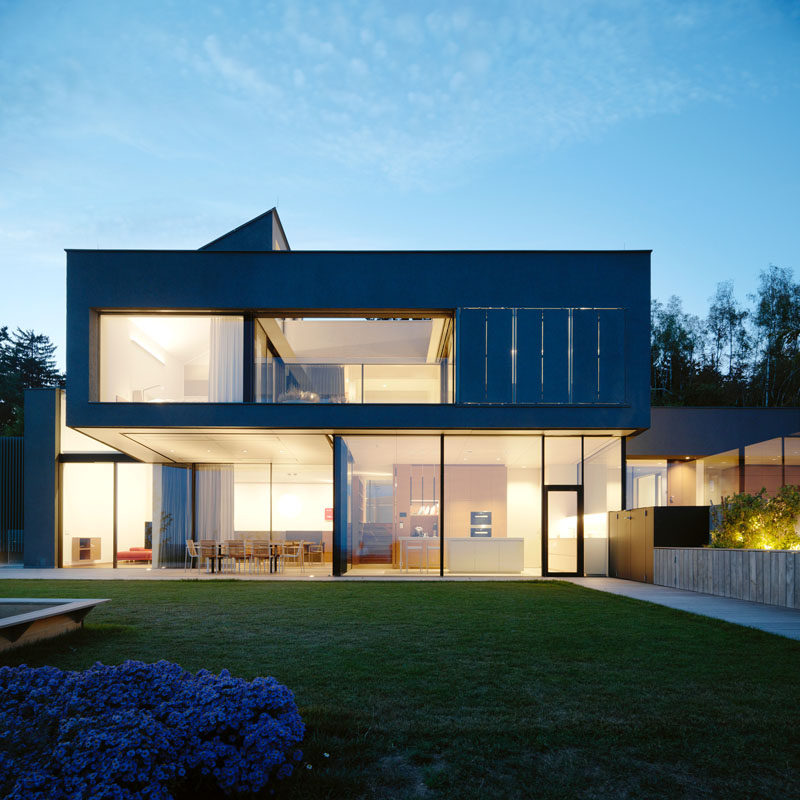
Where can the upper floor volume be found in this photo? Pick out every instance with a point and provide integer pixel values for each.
(246, 332)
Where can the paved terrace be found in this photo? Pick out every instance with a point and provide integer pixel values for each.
(772, 619)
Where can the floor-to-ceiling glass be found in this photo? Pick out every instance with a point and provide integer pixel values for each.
(563, 546)
(287, 503)
(134, 515)
(602, 492)
(393, 497)
(492, 502)
(763, 466)
(87, 514)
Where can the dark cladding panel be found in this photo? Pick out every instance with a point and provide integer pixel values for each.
(584, 355)
(529, 355)
(555, 356)
(499, 332)
(612, 356)
(471, 354)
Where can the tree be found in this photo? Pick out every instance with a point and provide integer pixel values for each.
(725, 326)
(26, 362)
(675, 344)
(776, 378)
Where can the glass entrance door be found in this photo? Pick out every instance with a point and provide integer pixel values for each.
(562, 543)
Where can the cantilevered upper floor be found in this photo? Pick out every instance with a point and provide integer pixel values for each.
(245, 333)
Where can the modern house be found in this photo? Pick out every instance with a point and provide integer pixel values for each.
(403, 412)
(444, 412)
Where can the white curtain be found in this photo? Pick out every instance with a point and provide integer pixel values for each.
(172, 492)
(225, 360)
(214, 502)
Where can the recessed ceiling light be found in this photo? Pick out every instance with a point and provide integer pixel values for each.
(244, 451)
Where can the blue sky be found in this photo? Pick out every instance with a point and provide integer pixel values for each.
(400, 125)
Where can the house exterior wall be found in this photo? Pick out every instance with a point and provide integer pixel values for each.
(41, 450)
(315, 282)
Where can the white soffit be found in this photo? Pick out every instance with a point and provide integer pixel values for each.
(220, 448)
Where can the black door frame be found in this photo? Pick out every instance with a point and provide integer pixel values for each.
(562, 487)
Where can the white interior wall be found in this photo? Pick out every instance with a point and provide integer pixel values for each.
(134, 504)
(87, 495)
(524, 512)
(301, 506)
(251, 506)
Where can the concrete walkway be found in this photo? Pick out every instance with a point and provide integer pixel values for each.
(772, 619)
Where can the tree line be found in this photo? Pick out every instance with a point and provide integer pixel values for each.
(737, 355)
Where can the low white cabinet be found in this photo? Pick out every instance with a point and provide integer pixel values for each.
(485, 555)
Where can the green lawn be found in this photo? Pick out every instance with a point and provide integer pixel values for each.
(474, 690)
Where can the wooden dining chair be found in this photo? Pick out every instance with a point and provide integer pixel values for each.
(234, 554)
(260, 553)
(208, 549)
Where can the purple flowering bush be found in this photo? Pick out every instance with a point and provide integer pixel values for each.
(143, 731)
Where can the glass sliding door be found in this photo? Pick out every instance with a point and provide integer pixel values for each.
(563, 523)
(392, 496)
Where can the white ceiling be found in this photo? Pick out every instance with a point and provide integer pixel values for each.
(358, 339)
(184, 337)
(226, 448)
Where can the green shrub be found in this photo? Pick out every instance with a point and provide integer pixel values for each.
(757, 521)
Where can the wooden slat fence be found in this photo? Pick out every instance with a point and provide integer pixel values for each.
(762, 576)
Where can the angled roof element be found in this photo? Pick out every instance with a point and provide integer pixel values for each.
(263, 232)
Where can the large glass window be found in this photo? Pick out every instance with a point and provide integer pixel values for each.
(354, 360)
(286, 504)
(170, 358)
(763, 466)
(172, 514)
(87, 514)
(720, 476)
(791, 453)
(393, 501)
(134, 515)
(647, 483)
(602, 492)
(492, 520)
(562, 459)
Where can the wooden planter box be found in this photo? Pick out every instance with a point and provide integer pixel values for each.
(761, 576)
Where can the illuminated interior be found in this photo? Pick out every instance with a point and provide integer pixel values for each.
(170, 358)
(354, 360)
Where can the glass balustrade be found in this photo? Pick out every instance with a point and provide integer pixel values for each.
(283, 381)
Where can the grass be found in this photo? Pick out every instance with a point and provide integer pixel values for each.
(473, 690)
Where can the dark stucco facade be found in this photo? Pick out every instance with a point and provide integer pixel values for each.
(313, 282)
